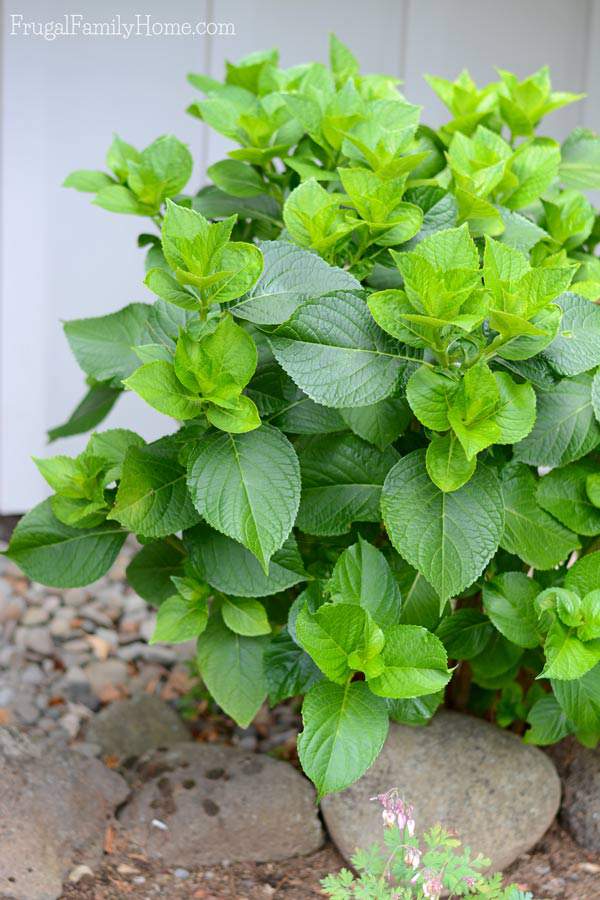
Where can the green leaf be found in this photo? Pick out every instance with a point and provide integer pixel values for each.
(180, 620)
(220, 364)
(334, 351)
(584, 575)
(430, 394)
(420, 603)
(236, 178)
(449, 538)
(247, 486)
(465, 633)
(102, 345)
(60, 556)
(515, 414)
(447, 465)
(576, 348)
(566, 656)
(416, 710)
(415, 664)
(112, 446)
(498, 664)
(580, 700)
(150, 571)
(230, 568)
(549, 725)
(231, 667)
(289, 670)
(245, 616)
(152, 498)
(519, 232)
(530, 533)
(215, 204)
(381, 423)
(161, 170)
(563, 492)
(565, 428)
(340, 638)
(362, 575)
(87, 181)
(508, 601)
(342, 478)
(580, 159)
(119, 199)
(345, 727)
(313, 216)
(157, 384)
(291, 277)
(92, 410)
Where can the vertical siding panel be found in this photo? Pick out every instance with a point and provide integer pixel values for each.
(591, 105)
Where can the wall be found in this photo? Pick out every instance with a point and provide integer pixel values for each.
(61, 100)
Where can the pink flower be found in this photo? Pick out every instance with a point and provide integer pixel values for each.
(433, 887)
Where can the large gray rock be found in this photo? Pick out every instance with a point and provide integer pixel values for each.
(132, 727)
(580, 811)
(207, 803)
(499, 794)
(54, 809)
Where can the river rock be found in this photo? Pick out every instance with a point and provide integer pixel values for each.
(498, 794)
(54, 809)
(206, 803)
(132, 727)
(580, 811)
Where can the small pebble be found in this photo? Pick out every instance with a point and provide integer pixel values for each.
(181, 873)
(80, 872)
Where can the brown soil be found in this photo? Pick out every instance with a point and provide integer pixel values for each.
(557, 869)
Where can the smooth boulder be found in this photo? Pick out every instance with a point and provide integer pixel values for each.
(580, 811)
(55, 806)
(130, 728)
(497, 793)
(207, 803)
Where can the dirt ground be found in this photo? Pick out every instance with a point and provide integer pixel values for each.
(557, 869)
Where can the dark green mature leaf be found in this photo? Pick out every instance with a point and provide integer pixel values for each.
(102, 345)
(362, 575)
(565, 428)
(61, 556)
(281, 402)
(449, 538)
(153, 498)
(580, 700)
(508, 601)
(230, 568)
(289, 670)
(576, 348)
(420, 603)
(290, 277)
(415, 710)
(548, 721)
(92, 410)
(150, 571)
(180, 619)
(530, 533)
(381, 423)
(345, 727)
(216, 204)
(563, 493)
(342, 478)
(231, 667)
(247, 486)
(465, 633)
(333, 349)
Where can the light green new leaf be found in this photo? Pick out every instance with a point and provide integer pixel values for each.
(430, 395)
(508, 601)
(563, 492)
(231, 666)
(152, 498)
(119, 199)
(567, 657)
(339, 637)
(112, 446)
(157, 384)
(449, 538)
(345, 727)
(565, 427)
(362, 575)
(247, 486)
(447, 464)
(61, 556)
(245, 616)
(584, 576)
(87, 180)
(516, 411)
(548, 721)
(334, 351)
(415, 664)
(530, 532)
(580, 162)
(236, 178)
(180, 620)
(342, 478)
